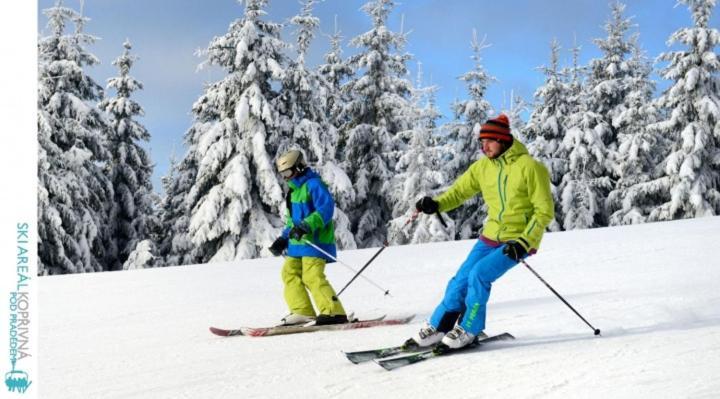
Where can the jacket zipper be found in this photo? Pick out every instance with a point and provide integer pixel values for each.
(502, 200)
(500, 191)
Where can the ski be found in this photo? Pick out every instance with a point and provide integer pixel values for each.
(437, 350)
(363, 356)
(282, 330)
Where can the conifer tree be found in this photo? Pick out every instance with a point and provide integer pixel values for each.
(517, 107)
(336, 71)
(173, 245)
(377, 111)
(610, 76)
(419, 172)
(546, 127)
(591, 139)
(638, 157)
(690, 184)
(424, 103)
(130, 168)
(235, 199)
(74, 193)
(580, 195)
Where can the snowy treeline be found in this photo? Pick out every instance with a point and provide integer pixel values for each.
(95, 196)
(75, 195)
(617, 154)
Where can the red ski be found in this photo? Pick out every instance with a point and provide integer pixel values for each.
(281, 330)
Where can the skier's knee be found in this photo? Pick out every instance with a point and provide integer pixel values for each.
(477, 275)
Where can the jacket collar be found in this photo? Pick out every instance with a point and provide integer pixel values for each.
(299, 180)
(516, 150)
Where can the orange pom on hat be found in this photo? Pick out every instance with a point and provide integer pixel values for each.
(497, 129)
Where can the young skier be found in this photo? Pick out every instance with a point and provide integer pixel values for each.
(310, 209)
(516, 189)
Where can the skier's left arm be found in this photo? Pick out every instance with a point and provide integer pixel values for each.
(540, 195)
(324, 206)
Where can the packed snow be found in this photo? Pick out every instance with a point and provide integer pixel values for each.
(652, 289)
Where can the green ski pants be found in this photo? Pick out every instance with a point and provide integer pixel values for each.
(301, 275)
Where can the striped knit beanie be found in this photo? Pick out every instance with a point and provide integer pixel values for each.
(497, 129)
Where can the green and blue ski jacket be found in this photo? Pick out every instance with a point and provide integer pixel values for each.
(310, 202)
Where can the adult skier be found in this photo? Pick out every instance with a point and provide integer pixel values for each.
(516, 189)
(309, 218)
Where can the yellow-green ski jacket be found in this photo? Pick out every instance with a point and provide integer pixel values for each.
(516, 189)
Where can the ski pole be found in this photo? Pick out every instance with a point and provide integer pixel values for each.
(595, 330)
(385, 245)
(360, 271)
(442, 219)
(387, 292)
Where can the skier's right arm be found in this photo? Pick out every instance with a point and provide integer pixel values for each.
(281, 243)
(288, 225)
(465, 187)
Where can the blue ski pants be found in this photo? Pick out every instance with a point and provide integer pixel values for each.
(469, 290)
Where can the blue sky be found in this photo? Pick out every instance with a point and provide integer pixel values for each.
(166, 33)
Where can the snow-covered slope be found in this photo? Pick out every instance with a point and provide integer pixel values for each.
(653, 289)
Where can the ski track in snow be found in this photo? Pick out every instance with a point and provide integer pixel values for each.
(653, 290)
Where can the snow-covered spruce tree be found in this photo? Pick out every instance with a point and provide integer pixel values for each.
(462, 137)
(517, 107)
(235, 199)
(74, 193)
(572, 76)
(422, 175)
(575, 76)
(174, 247)
(546, 127)
(335, 71)
(167, 211)
(583, 188)
(609, 78)
(591, 137)
(638, 159)
(377, 111)
(130, 168)
(424, 102)
(301, 101)
(303, 119)
(418, 172)
(690, 185)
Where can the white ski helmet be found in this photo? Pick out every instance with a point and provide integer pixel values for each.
(290, 162)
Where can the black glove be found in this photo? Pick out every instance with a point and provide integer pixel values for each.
(514, 250)
(427, 205)
(278, 246)
(297, 232)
